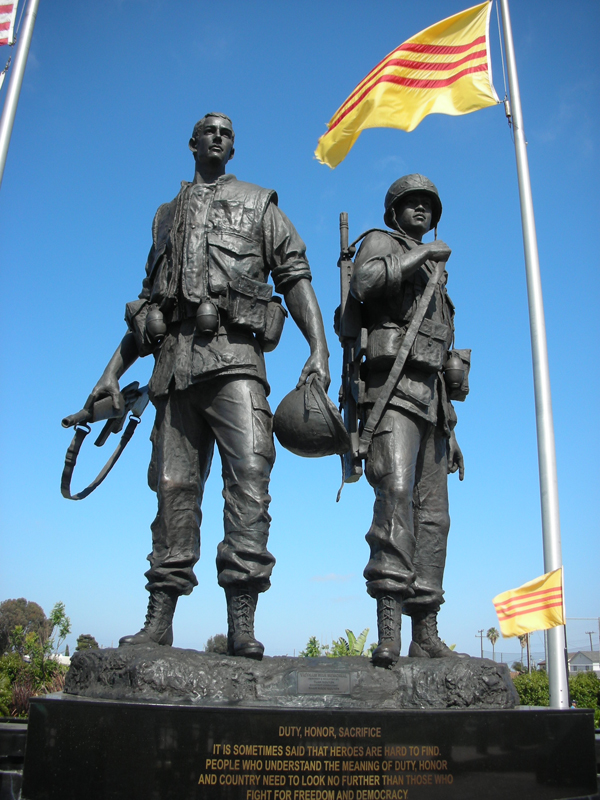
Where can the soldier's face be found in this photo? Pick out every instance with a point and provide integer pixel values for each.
(214, 142)
(414, 213)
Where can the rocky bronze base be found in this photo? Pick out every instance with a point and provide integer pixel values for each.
(111, 750)
(154, 674)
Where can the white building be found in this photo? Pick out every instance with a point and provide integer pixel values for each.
(584, 661)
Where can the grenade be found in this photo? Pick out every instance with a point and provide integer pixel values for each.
(155, 324)
(207, 317)
(454, 371)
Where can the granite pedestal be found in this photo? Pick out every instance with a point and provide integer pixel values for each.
(268, 734)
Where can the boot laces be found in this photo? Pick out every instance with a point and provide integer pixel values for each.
(432, 629)
(156, 605)
(244, 608)
(386, 617)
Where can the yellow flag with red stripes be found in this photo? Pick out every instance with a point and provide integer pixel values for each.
(444, 69)
(535, 606)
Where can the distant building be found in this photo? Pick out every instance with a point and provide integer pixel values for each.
(584, 661)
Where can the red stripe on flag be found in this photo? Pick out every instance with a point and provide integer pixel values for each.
(4, 26)
(7, 9)
(440, 49)
(423, 65)
(435, 65)
(413, 83)
(542, 607)
(527, 598)
(417, 48)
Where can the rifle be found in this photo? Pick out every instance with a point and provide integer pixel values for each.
(134, 400)
(353, 338)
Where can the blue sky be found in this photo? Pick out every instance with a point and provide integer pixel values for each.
(109, 100)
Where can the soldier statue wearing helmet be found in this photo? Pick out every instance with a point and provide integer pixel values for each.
(413, 447)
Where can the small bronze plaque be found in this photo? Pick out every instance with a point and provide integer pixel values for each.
(324, 683)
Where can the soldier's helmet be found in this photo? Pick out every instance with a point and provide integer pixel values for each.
(406, 185)
(308, 424)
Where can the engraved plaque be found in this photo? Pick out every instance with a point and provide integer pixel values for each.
(324, 683)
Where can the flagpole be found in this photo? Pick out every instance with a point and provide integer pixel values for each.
(557, 673)
(16, 79)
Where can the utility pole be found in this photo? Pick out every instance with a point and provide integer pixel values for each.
(589, 633)
(480, 634)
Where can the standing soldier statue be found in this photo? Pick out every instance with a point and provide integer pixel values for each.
(407, 436)
(206, 315)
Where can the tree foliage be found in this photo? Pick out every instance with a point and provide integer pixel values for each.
(313, 649)
(493, 636)
(28, 669)
(217, 644)
(86, 642)
(29, 615)
(350, 645)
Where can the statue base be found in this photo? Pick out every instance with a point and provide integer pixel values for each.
(155, 674)
(116, 750)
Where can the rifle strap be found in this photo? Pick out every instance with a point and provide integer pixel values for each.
(383, 399)
(81, 431)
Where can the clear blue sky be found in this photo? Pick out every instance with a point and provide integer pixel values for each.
(110, 96)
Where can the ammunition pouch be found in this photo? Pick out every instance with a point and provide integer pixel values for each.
(247, 304)
(251, 307)
(428, 352)
(276, 315)
(461, 393)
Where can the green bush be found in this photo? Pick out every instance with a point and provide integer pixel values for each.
(534, 690)
(585, 691)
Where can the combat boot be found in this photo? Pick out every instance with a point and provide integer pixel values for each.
(241, 605)
(426, 642)
(389, 620)
(158, 628)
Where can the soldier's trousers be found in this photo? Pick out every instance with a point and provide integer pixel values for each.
(234, 412)
(407, 466)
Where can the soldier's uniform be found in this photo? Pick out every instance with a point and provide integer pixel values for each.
(407, 461)
(212, 387)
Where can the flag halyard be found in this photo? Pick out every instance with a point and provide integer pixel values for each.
(535, 606)
(444, 69)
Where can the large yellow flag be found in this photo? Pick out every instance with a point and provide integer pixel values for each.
(444, 69)
(535, 606)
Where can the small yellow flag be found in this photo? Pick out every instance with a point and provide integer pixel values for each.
(535, 606)
(444, 69)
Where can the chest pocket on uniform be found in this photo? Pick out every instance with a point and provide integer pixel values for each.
(231, 256)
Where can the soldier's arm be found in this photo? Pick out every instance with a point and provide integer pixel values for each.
(286, 256)
(302, 303)
(123, 357)
(380, 267)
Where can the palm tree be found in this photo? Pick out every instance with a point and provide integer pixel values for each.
(523, 643)
(493, 636)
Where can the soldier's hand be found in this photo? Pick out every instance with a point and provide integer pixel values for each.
(107, 386)
(438, 250)
(455, 458)
(318, 363)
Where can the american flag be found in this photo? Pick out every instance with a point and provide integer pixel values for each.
(8, 11)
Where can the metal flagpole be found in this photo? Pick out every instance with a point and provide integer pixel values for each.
(16, 79)
(557, 673)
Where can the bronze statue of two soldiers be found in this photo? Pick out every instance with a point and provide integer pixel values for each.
(206, 314)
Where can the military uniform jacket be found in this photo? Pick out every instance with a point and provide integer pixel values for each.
(206, 237)
(388, 307)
